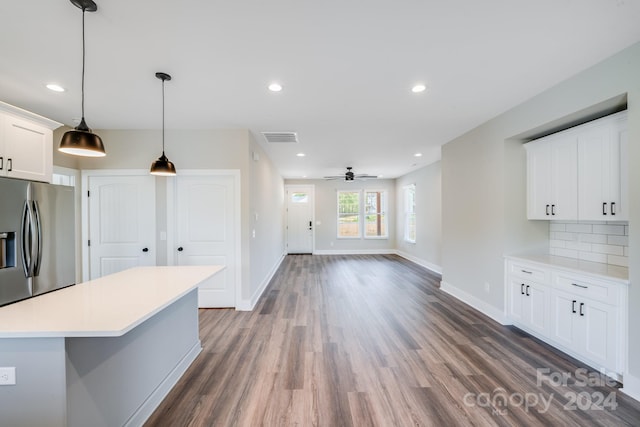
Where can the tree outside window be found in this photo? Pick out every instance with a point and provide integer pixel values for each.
(375, 208)
(349, 214)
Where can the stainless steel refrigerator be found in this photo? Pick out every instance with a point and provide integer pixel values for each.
(37, 238)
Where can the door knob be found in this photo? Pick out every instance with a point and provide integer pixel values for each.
(180, 249)
(145, 250)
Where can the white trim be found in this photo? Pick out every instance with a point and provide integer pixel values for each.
(24, 114)
(171, 218)
(474, 302)
(250, 304)
(422, 263)
(355, 252)
(631, 386)
(84, 206)
(157, 396)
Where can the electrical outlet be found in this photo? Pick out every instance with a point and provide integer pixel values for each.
(8, 376)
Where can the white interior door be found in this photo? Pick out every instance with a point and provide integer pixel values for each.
(121, 222)
(299, 219)
(206, 233)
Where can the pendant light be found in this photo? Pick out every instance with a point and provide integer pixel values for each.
(82, 141)
(163, 166)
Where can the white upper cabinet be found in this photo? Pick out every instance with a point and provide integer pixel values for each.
(552, 177)
(579, 173)
(602, 169)
(26, 144)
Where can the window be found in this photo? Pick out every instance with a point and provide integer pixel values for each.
(375, 209)
(410, 213)
(349, 214)
(298, 197)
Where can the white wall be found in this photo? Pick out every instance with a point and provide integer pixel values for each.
(483, 190)
(426, 251)
(326, 208)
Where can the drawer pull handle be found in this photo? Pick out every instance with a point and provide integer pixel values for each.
(573, 306)
(579, 286)
(527, 291)
(581, 309)
(527, 272)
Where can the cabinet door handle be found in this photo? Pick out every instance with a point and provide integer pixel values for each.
(1, 163)
(145, 249)
(553, 209)
(604, 208)
(613, 208)
(527, 291)
(573, 306)
(581, 309)
(180, 249)
(522, 289)
(9, 165)
(579, 286)
(546, 210)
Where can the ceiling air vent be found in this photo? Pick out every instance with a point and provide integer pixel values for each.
(280, 137)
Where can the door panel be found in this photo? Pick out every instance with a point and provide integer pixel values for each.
(300, 219)
(206, 224)
(121, 223)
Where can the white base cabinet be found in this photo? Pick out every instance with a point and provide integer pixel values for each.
(582, 315)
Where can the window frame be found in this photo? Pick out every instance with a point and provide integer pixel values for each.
(409, 211)
(358, 213)
(382, 212)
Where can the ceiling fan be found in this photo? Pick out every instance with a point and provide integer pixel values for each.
(350, 176)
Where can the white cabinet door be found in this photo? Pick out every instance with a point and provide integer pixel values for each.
(564, 306)
(26, 149)
(552, 177)
(602, 170)
(600, 325)
(529, 305)
(516, 300)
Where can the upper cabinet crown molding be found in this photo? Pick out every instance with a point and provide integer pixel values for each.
(579, 173)
(28, 115)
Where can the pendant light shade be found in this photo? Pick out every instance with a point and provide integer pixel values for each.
(82, 141)
(162, 166)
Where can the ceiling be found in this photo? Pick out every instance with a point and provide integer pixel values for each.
(347, 68)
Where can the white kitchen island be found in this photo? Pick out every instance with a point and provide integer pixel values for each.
(100, 353)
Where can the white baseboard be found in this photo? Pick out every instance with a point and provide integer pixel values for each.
(422, 263)
(157, 396)
(249, 305)
(631, 386)
(354, 252)
(478, 304)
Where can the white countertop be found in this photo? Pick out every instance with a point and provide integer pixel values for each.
(603, 271)
(106, 307)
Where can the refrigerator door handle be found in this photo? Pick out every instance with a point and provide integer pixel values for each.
(26, 240)
(37, 256)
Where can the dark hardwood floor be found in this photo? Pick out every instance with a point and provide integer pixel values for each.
(372, 341)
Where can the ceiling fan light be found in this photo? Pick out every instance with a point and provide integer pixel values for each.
(163, 167)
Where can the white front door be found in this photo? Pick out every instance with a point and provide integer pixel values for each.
(299, 219)
(121, 223)
(206, 221)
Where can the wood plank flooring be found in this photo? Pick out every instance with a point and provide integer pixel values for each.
(372, 341)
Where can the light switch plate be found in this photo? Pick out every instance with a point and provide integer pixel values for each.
(8, 376)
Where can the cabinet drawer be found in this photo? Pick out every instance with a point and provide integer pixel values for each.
(528, 272)
(587, 287)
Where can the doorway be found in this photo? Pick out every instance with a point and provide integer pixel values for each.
(300, 218)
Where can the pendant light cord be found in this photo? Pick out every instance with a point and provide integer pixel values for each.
(83, 60)
(163, 117)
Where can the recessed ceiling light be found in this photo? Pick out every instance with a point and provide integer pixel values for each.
(300, 154)
(418, 88)
(417, 155)
(54, 87)
(275, 87)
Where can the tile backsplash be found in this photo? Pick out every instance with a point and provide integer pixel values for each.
(606, 242)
